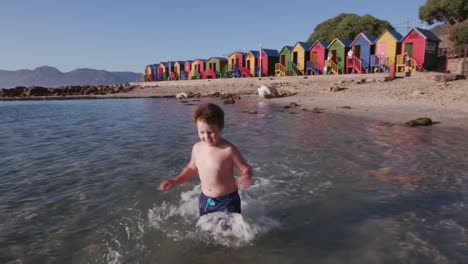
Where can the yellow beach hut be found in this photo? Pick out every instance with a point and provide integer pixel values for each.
(251, 61)
(300, 54)
(387, 46)
(178, 68)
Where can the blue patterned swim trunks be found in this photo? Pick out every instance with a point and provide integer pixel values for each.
(229, 203)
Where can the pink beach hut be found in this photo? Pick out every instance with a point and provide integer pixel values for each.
(267, 60)
(187, 68)
(161, 71)
(318, 53)
(422, 46)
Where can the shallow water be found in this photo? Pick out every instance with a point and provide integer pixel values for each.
(78, 178)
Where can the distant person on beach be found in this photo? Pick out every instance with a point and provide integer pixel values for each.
(350, 53)
(407, 59)
(214, 158)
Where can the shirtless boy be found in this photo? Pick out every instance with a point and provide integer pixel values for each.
(214, 158)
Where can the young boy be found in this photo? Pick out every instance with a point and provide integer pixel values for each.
(213, 157)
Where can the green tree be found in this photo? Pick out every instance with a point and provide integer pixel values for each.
(450, 12)
(348, 26)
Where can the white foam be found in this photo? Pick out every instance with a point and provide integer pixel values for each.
(181, 221)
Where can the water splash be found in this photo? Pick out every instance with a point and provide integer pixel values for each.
(181, 221)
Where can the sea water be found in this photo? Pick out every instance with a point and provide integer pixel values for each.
(78, 184)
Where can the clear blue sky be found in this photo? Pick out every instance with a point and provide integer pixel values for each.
(124, 35)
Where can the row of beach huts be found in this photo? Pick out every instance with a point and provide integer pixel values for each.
(367, 53)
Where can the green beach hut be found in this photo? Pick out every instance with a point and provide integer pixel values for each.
(284, 66)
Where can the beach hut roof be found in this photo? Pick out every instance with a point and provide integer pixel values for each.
(242, 52)
(289, 48)
(322, 43)
(189, 61)
(369, 37)
(427, 34)
(344, 42)
(255, 53)
(397, 36)
(218, 58)
(180, 62)
(304, 45)
(271, 52)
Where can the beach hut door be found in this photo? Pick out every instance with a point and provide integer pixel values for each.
(314, 56)
(380, 48)
(409, 48)
(283, 60)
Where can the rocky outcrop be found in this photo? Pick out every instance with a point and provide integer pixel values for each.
(39, 91)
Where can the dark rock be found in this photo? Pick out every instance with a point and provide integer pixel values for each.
(229, 101)
(422, 121)
(317, 110)
(291, 105)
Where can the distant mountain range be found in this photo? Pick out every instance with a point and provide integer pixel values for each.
(51, 77)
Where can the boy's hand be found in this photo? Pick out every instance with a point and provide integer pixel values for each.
(244, 181)
(165, 185)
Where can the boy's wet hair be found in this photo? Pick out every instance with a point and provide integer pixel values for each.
(211, 114)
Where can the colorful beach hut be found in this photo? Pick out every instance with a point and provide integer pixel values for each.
(187, 69)
(149, 73)
(336, 58)
(236, 65)
(318, 53)
(284, 65)
(154, 70)
(267, 60)
(198, 66)
(178, 69)
(387, 46)
(300, 55)
(214, 67)
(362, 47)
(161, 71)
(422, 46)
(251, 62)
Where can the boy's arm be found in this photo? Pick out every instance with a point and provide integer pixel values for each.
(183, 176)
(245, 178)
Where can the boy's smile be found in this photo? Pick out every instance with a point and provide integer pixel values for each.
(208, 133)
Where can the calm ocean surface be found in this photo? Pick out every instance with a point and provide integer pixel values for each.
(78, 178)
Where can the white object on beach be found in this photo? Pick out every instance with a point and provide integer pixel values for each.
(181, 96)
(266, 91)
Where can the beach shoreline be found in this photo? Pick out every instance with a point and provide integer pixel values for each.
(361, 95)
(367, 95)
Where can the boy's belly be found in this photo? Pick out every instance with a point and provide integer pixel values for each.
(218, 190)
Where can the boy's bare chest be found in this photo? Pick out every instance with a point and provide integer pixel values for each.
(213, 159)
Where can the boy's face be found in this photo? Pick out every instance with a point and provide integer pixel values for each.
(208, 133)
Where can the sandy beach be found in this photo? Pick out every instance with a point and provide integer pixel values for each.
(367, 95)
